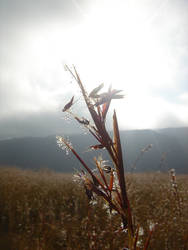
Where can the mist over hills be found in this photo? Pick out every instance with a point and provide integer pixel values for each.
(169, 150)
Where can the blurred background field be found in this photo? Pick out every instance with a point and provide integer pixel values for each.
(47, 210)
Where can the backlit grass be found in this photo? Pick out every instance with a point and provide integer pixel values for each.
(46, 210)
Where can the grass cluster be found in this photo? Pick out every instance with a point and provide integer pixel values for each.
(46, 210)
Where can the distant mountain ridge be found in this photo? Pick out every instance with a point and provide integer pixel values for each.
(169, 150)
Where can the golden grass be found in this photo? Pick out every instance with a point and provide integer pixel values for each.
(46, 210)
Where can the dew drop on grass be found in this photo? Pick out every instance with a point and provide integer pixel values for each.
(85, 132)
(62, 145)
(84, 129)
(67, 118)
(67, 151)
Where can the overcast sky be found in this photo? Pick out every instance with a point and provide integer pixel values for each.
(138, 46)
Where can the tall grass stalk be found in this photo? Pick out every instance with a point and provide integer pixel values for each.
(109, 181)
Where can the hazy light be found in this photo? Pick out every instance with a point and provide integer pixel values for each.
(118, 43)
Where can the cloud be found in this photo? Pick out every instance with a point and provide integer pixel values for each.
(184, 98)
(139, 47)
(19, 19)
(30, 79)
(170, 120)
(150, 112)
(32, 12)
(36, 124)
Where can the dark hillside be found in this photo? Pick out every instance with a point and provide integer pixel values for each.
(169, 150)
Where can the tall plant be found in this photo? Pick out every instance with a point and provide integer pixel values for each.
(113, 188)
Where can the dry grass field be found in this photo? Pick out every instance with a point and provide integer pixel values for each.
(47, 211)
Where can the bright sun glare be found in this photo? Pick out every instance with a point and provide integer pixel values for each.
(114, 43)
